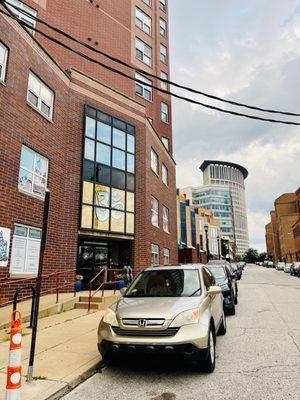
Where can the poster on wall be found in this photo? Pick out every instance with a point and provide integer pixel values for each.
(4, 246)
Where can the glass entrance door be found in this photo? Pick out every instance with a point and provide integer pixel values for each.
(92, 258)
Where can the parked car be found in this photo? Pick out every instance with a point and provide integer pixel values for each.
(237, 270)
(165, 311)
(295, 268)
(280, 266)
(242, 264)
(270, 264)
(228, 285)
(287, 267)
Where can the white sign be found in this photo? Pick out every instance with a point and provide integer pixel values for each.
(25, 252)
(4, 246)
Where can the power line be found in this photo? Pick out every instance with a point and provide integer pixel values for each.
(24, 24)
(116, 60)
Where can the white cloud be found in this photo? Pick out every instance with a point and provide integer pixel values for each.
(250, 53)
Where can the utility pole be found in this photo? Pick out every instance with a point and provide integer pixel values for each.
(233, 226)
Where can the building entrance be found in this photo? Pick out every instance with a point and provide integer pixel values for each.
(94, 256)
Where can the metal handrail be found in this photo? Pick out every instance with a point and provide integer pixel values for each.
(102, 285)
(57, 288)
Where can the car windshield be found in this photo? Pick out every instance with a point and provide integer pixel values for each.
(234, 267)
(218, 271)
(166, 283)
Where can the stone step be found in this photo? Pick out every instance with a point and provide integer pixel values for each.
(85, 306)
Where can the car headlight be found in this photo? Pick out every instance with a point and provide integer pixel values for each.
(110, 317)
(186, 318)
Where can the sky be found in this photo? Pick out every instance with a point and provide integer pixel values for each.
(247, 51)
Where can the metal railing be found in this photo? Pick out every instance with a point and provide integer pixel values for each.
(57, 288)
(102, 285)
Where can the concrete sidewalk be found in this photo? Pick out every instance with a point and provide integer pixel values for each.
(66, 353)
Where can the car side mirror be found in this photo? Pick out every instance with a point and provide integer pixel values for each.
(214, 290)
(123, 290)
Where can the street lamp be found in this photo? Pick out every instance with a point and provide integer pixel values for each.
(207, 242)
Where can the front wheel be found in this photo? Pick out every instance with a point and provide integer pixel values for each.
(223, 327)
(210, 361)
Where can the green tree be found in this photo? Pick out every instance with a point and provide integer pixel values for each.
(262, 256)
(251, 256)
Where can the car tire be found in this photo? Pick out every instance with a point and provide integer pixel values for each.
(208, 365)
(236, 300)
(223, 327)
(231, 310)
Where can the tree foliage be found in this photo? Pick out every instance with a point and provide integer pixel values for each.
(251, 256)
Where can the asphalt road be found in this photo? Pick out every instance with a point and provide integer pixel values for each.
(258, 358)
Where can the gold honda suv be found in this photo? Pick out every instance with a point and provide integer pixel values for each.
(170, 310)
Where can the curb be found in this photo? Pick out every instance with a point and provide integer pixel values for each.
(69, 386)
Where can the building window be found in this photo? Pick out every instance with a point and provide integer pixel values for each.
(143, 52)
(25, 252)
(162, 27)
(33, 172)
(143, 90)
(163, 5)
(154, 161)
(165, 142)
(148, 2)
(3, 61)
(166, 254)
(154, 211)
(108, 187)
(154, 254)
(165, 219)
(165, 174)
(143, 21)
(164, 85)
(24, 17)
(163, 53)
(40, 96)
(164, 112)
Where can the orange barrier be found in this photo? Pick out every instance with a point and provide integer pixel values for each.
(14, 369)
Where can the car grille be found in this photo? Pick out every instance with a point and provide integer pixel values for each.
(147, 332)
(148, 322)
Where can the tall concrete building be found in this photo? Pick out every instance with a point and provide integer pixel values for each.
(223, 192)
(101, 143)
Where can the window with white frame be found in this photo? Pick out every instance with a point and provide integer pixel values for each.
(162, 27)
(40, 96)
(165, 142)
(28, 15)
(165, 174)
(143, 90)
(165, 219)
(163, 5)
(33, 172)
(3, 61)
(143, 52)
(164, 112)
(164, 85)
(166, 254)
(154, 254)
(143, 21)
(154, 211)
(148, 2)
(154, 161)
(25, 253)
(163, 53)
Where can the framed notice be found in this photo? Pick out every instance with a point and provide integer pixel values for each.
(25, 252)
(4, 246)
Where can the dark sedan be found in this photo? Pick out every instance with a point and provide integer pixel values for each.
(295, 268)
(227, 282)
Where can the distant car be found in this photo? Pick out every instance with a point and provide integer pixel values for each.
(228, 285)
(171, 310)
(287, 267)
(270, 264)
(242, 264)
(280, 266)
(295, 268)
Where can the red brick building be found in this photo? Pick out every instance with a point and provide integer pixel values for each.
(85, 134)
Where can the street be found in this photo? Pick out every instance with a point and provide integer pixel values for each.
(258, 358)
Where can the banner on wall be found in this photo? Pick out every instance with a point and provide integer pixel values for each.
(4, 246)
